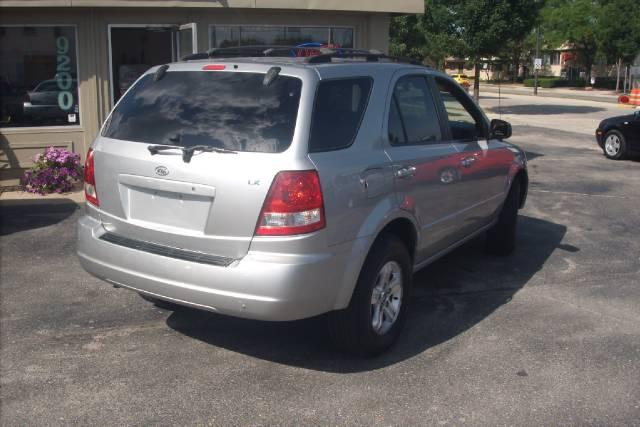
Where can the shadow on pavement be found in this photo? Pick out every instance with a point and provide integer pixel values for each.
(533, 109)
(22, 215)
(450, 296)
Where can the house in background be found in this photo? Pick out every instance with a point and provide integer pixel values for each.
(64, 63)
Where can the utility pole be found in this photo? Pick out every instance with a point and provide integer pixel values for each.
(537, 63)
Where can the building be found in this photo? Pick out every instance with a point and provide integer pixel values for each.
(63, 63)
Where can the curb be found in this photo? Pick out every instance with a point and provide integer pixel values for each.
(13, 197)
(578, 97)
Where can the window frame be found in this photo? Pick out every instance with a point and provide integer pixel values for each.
(328, 27)
(444, 131)
(71, 127)
(364, 113)
(468, 104)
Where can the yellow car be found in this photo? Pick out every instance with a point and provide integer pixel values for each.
(462, 79)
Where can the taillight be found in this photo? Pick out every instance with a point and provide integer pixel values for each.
(293, 205)
(90, 180)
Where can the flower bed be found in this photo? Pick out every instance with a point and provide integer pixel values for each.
(55, 171)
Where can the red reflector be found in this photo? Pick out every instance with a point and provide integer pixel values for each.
(294, 205)
(214, 67)
(90, 180)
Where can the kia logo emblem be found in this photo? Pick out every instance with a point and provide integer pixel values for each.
(162, 171)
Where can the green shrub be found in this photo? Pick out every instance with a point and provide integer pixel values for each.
(605, 83)
(550, 82)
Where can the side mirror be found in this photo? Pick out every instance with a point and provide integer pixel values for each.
(500, 129)
(637, 114)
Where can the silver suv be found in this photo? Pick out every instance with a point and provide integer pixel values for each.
(280, 188)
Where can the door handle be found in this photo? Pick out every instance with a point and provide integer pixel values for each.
(406, 172)
(468, 161)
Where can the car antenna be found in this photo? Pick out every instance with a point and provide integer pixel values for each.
(500, 95)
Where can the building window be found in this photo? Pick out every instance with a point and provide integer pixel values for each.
(251, 35)
(38, 76)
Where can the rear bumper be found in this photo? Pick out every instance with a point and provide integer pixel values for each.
(264, 286)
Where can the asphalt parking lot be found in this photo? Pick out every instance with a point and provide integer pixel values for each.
(547, 336)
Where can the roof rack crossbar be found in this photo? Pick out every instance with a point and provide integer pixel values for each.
(325, 55)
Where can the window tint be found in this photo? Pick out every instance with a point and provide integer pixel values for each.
(337, 112)
(415, 120)
(464, 126)
(38, 76)
(220, 109)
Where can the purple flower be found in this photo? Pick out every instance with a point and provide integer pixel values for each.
(55, 170)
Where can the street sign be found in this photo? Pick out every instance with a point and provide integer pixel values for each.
(537, 64)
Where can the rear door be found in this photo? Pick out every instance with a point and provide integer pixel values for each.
(211, 203)
(421, 160)
(482, 165)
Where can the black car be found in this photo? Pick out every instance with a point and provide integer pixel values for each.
(619, 136)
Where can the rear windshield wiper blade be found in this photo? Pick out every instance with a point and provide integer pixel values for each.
(155, 149)
(187, 152)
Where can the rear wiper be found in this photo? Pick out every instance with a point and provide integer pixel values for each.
(187, 152)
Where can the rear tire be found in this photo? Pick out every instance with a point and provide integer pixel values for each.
(160, 303)
(501, 238)
(377, 311)
(615, 145)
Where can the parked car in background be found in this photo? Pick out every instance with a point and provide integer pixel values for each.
(462, 80)
(43, 103)
(619, 136)
(281, 188)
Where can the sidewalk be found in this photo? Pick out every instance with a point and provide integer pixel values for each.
(74, 196)
(597, 95)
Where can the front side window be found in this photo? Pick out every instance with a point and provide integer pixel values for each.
(337, 112)
(413, 118)
(465, 122)
(228, 110)
(38, 76)
(252, 35)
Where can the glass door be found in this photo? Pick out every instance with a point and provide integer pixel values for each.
(186, 40)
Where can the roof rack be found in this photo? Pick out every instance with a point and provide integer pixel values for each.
(327, 55)
(312, 54)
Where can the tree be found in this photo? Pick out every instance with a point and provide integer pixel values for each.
(485, 26)
(619, 32)
(472, 29)
(574, 22)
(429, 37)
(518, 50)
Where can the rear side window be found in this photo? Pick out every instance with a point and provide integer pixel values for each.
(413, 119)
(337, 112)
(221, 109)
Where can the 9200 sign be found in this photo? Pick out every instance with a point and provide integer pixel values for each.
(64, 79)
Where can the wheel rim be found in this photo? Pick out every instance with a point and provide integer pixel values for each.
(386, 299)
(612, 145)
(447, 176)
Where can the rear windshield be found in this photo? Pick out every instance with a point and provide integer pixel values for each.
(221, 109)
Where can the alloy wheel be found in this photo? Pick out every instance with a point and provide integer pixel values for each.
(386, 299)
(612, 145)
